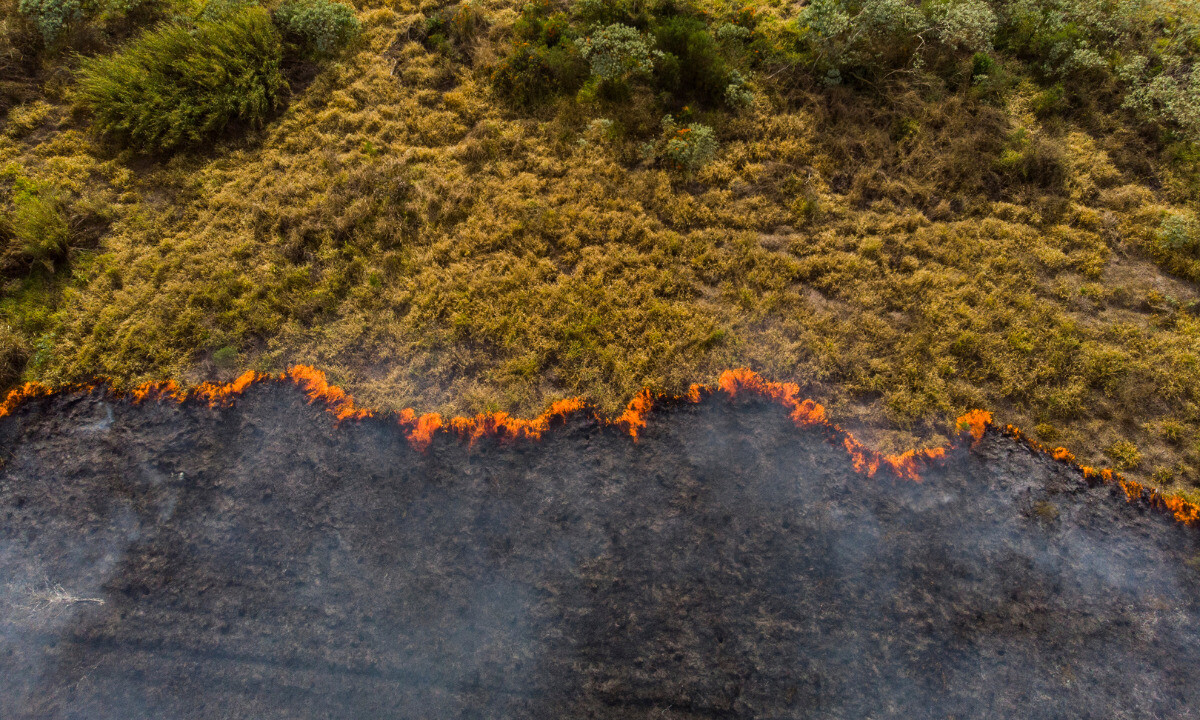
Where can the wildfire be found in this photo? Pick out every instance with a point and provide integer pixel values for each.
(1185, 512)
(809, 414)
(506, 427)
(421, 430)
(19, 395)
(634, 417)
(975, 422)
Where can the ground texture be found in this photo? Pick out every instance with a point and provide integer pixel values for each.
(166, 561)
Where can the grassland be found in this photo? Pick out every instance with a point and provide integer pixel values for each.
(904, 257)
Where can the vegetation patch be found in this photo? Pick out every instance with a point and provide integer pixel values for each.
(179, 86)
(911, 209)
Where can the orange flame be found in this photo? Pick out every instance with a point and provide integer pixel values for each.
(1182, 510)
(634, 417)
(506, 427)
(421, 429)
(1062, 454)
(975, 422)
(19, 395)
(337, 402)
(809, 414)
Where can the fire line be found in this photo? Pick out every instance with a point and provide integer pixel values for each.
(421, 429)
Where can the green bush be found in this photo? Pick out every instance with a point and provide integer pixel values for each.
(737, 92)
(318, 28)
(544, 59)
(847, 37)
(618, 53)
(693, 65)
(55, 19)
(51, 17)
(180, 86)
(964, 25)
(688, 148)
(1179, 232)
(1169, 91)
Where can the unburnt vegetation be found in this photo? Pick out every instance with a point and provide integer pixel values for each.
(910, 209)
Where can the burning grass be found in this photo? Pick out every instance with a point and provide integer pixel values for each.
(806, 414)
(402, 227)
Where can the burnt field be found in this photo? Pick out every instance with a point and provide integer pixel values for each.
(260, 561)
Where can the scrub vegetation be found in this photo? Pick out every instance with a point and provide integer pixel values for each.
(911, 209)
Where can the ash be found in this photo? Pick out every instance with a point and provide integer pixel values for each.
(165, 561)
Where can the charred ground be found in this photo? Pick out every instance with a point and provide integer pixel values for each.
(261, 561)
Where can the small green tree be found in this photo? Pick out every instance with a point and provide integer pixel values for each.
(617, 53)
(51, 17)
(319, 28)
(180, 86)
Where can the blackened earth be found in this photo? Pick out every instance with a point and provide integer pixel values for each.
(163, 561)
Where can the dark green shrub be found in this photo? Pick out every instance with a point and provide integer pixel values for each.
(544, 60)
(533, 73)
(637, 13)
(225, 358)
(693, 66)
(1033, 159)
(663, 49)
(455, 28)
(317, 28)
(537, 24)
(180, 86)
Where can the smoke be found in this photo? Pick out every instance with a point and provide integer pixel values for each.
(264, 561)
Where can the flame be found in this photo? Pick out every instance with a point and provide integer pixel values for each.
(217, 395)
(506, 427)
(1062, 454)
(975, 422)
(634, 417)
(1182, 510)
(317, 387)
(809, 414)
(804, 413)
(423, 430)
(19, 395)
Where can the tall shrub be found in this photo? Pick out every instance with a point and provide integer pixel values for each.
(180, 86)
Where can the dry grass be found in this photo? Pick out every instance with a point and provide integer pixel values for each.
(403, 229)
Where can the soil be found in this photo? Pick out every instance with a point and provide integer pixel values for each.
(260, 561)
